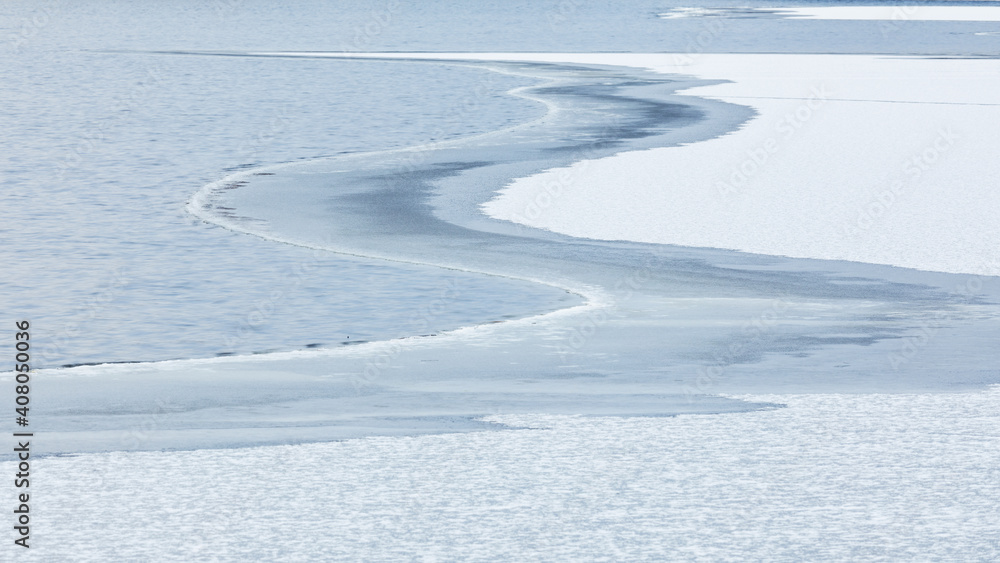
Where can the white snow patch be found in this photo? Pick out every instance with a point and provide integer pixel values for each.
(851, 157)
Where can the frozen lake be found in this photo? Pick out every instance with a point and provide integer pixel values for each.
(411, 282)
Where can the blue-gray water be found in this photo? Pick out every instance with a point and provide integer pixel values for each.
(105, 141)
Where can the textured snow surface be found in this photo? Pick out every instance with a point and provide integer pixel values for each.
(828, 477)
(851, 157)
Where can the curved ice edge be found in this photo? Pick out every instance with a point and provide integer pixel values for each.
(594, 297)
(200, 204)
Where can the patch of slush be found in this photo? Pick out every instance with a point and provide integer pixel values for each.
(828, 477)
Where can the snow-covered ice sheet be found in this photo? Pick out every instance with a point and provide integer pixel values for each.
(828, 477)
(860, 158)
